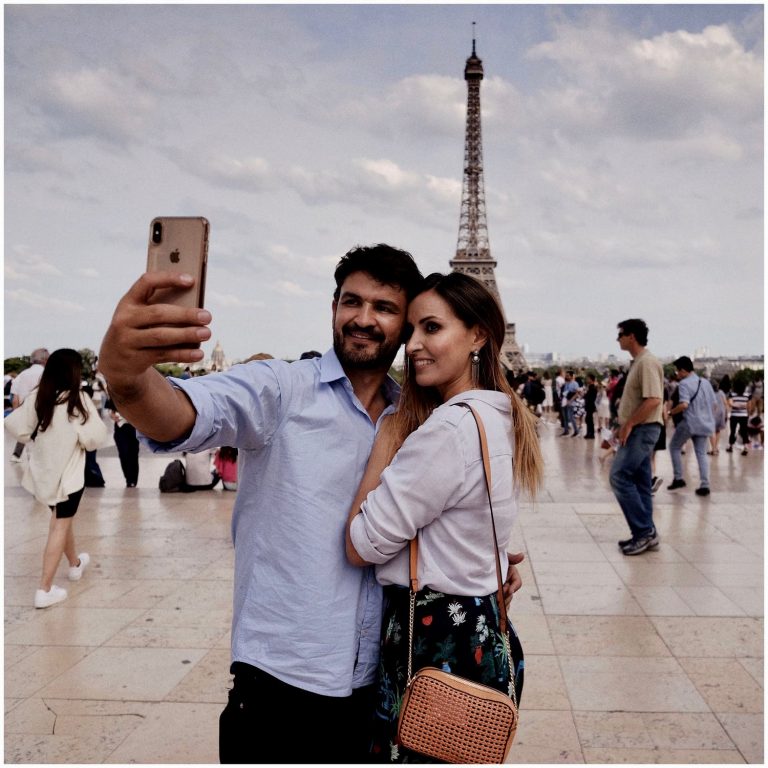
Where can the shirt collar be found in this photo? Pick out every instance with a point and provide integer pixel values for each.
(331, 370)
(330, 367)
(498, 400)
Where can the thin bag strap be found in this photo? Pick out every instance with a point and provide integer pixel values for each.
(414, 556)
(414, 546)
(487, 472)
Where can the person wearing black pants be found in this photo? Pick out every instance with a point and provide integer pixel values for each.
(321, 729)
(590, 405)
(127, 446)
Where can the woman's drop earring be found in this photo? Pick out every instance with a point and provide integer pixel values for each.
(475, 360)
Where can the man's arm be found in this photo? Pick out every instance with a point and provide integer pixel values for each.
(679, 408)
(638, 416)
(377, 463)
(142, 335)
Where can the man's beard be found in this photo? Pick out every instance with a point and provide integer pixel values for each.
(380, 357)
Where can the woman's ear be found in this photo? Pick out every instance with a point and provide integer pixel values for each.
(480, 337)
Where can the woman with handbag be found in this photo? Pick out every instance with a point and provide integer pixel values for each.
(426, 480)
(62, 422)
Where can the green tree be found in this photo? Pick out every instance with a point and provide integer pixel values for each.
(89, 364)
(15, 364)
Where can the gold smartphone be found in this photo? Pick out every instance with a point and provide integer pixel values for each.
(179, 244)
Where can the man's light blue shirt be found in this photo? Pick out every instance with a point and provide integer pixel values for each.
(699, 416)
(301, 612)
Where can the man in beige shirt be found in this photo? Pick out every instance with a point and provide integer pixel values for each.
(640, 423)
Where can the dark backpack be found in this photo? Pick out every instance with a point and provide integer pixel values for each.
(173, 479)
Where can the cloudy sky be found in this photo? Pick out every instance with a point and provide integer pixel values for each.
(623, 151)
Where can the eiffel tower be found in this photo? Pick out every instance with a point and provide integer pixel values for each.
(473, 251)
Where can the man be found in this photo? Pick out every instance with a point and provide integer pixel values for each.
(23, 385)
(697, 403)
(305, 628)
(533, 392)
(640, 421)
(570, 390)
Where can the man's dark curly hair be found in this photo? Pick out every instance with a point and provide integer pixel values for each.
(387, 265)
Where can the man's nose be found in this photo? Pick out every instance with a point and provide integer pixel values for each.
(366, 316)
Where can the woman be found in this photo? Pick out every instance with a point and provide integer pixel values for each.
(721, 416)
(603, 404)
(435, 487)
(548, 398)
(62, 423)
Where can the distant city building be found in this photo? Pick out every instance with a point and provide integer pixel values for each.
(717, 367)
(218, 361)
(541, 359)
(473, 250)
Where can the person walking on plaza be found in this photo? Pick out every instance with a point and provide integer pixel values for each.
(590, 405)
(738, 403)
(425, 480)
(546, 382)
(570, 391)
(127, 445)
(697, 404)
(62, 423)
(22, 386)
(721, 415)
(305, 623)
(557, 393)
(640, 421)
(533, 392)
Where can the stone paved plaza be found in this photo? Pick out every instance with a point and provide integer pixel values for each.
(651, 659)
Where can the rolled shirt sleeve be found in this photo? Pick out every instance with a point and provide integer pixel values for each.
(241, 408)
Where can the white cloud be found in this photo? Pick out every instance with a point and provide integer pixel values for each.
(289, 288)
(381, 185)
(41, 302)
(25, 264)
(419, 104)
(31, 158)
(675, 85)
(101, 102)
(216, 299)
(244, 170)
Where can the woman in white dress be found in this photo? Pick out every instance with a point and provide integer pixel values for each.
(603, 406)
(548, 397)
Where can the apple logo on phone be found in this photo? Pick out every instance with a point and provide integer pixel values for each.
(175, 256)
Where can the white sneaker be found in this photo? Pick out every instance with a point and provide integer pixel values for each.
(76, 571)
(54, 595)
(15, 459)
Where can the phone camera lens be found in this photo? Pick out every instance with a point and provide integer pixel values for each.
(157, 232)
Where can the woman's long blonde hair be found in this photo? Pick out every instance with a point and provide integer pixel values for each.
(474, 305)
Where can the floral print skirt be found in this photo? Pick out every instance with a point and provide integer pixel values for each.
(458, 634)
